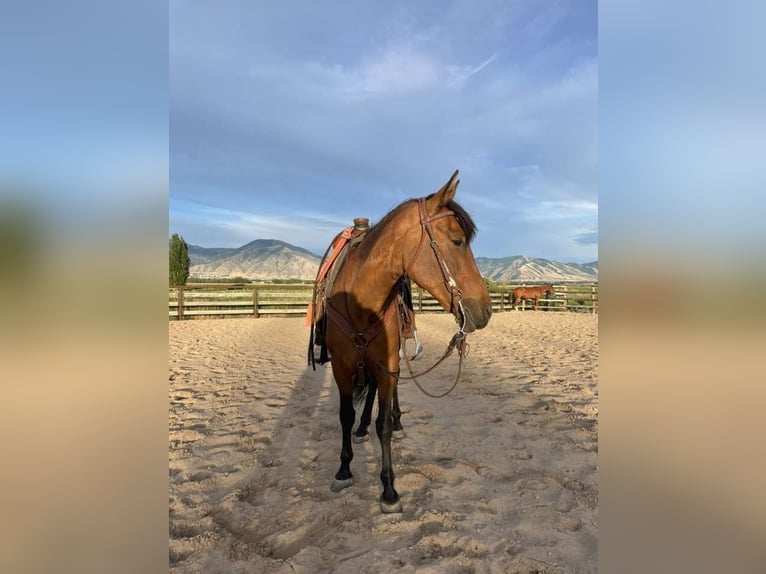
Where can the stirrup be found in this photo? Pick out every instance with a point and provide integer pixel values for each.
(418, 347)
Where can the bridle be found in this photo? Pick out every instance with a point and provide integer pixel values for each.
(456, 295)
(361, 340)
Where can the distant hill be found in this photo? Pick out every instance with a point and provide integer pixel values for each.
(259, 259)
(274, 259)
(523, 269)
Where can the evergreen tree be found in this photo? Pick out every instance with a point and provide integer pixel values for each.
(179, 261)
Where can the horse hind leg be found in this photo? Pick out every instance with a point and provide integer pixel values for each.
(344, 478)
(362, 434)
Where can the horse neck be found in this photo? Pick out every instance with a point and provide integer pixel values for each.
(374, 268)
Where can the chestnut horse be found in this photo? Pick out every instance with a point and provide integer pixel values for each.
(530, 293)
(427, 240)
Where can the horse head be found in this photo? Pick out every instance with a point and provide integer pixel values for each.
(446, 268)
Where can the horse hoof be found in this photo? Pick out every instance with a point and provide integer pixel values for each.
(359, 439)
(397, 434)
(390, 508)
(338, 485)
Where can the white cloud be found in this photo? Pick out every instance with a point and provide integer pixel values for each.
(399, 69)
(312, 231)
(532, 183)
(549, 210)
(484, 201)
(461, 74)
(578, 81)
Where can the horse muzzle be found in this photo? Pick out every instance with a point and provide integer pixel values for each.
(476, 315)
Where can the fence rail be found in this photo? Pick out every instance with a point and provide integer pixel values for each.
(233, 300)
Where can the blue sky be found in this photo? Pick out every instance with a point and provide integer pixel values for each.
(287, 120)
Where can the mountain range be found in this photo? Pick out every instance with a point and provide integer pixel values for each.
(259, 259)
(265, 259)
(521, 268)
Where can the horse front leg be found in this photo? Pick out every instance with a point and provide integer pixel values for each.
(389, 499)
(344, 478)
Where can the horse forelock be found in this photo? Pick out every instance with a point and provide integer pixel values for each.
(463, 219)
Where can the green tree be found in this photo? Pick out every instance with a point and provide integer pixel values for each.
(179, 261)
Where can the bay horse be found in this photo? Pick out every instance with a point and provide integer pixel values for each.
(428, 241)
(530, 294)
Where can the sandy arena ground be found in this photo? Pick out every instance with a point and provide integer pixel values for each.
(500, 476)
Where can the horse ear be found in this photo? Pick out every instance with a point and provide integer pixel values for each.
(447, 192)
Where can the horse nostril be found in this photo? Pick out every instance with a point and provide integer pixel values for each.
(488, 311)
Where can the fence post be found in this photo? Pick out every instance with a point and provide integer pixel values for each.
(255, 303)
(180, 308)
(502, 300)
(420, 299)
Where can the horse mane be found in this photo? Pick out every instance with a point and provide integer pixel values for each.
(463, 219)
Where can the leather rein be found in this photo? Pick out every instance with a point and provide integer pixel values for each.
(362, 340)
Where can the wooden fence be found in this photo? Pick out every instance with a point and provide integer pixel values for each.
(245, 300)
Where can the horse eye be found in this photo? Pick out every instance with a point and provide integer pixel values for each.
(458, 242)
